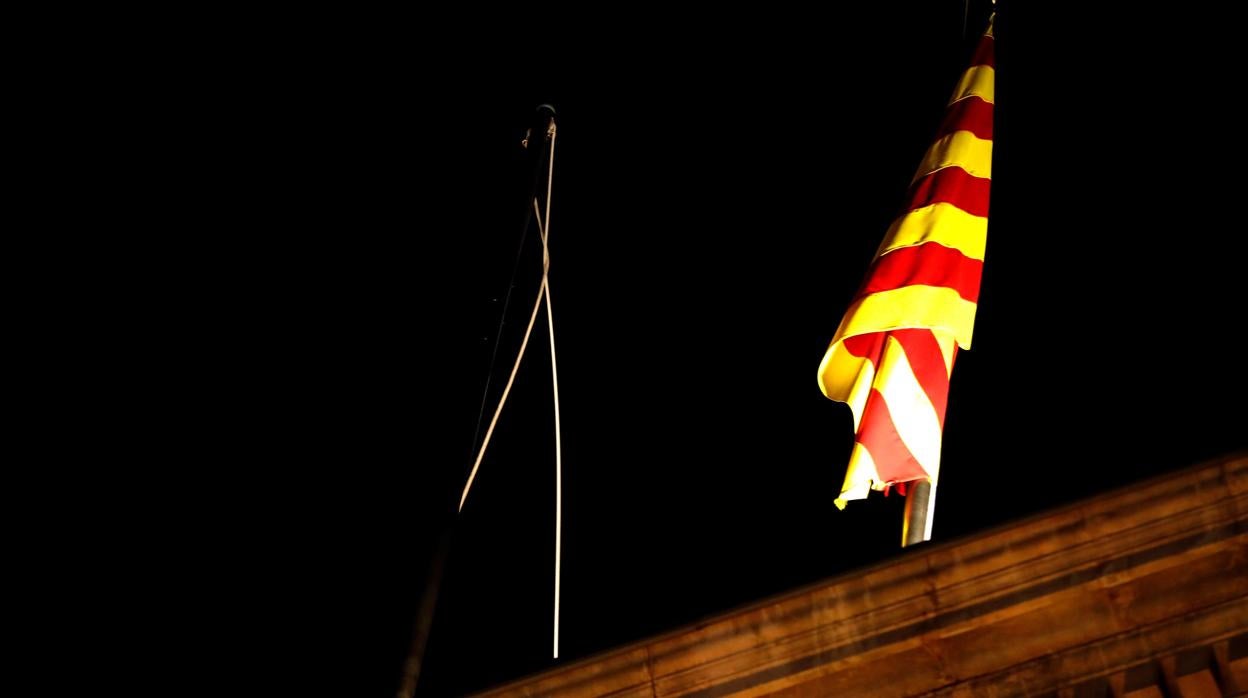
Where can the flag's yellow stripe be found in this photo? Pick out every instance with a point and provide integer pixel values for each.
(941, 223)
(962, 149)
(913, 416)
(859, 477)
(977, 81)
(933, 307)
(846, 378)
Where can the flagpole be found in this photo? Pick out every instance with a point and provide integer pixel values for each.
(920, 513)
(450, 523)
(543, 226)
(892, 355)
(424, 614)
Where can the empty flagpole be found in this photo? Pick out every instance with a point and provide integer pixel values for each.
(543, 226)
(537, 304)
(554, 378)
(428, 605)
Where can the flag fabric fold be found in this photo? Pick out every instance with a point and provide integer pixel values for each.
(892, 356)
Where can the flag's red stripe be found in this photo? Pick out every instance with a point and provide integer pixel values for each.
(928, 366)
(951, 185)
(985, 52)
(866, 346)
(929, 264)
(970, 114)
(893, 461)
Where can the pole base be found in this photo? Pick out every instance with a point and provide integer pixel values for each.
(920, 508)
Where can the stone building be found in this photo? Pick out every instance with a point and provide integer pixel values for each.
(1138, 592)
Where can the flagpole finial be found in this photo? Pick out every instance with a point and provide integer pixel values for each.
(546, 112)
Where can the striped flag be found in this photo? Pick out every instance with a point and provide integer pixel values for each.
(892, 355)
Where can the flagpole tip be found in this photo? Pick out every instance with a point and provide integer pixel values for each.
(546, 119)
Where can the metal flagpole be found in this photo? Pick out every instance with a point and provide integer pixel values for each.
(429, 599)
(920, 512)
(543, 225)
(554, 378)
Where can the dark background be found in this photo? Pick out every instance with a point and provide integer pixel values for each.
(722, 182)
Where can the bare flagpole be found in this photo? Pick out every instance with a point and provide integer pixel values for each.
(543, 225)
(428, 604)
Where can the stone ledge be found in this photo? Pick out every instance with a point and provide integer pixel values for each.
(979, 612)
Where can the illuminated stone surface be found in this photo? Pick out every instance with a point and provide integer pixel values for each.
(1139, 592)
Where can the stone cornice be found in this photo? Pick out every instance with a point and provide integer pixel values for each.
(1082, 591)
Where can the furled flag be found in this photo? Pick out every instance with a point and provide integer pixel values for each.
(892, 355)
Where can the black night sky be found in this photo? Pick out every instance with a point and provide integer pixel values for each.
(721, 185)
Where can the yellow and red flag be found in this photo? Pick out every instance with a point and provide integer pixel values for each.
(892, 356)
